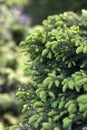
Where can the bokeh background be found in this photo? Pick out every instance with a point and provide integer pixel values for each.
(17, 20)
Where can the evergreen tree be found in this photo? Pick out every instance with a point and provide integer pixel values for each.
(56, 99)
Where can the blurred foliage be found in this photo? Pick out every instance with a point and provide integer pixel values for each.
(13, 29)
(20, 3)
(57, 97)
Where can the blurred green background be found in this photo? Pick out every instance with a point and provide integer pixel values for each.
(17, 19)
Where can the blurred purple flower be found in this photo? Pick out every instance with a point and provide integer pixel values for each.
(34, 109)
(23, 18)
(17, 11)
(20, 16)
